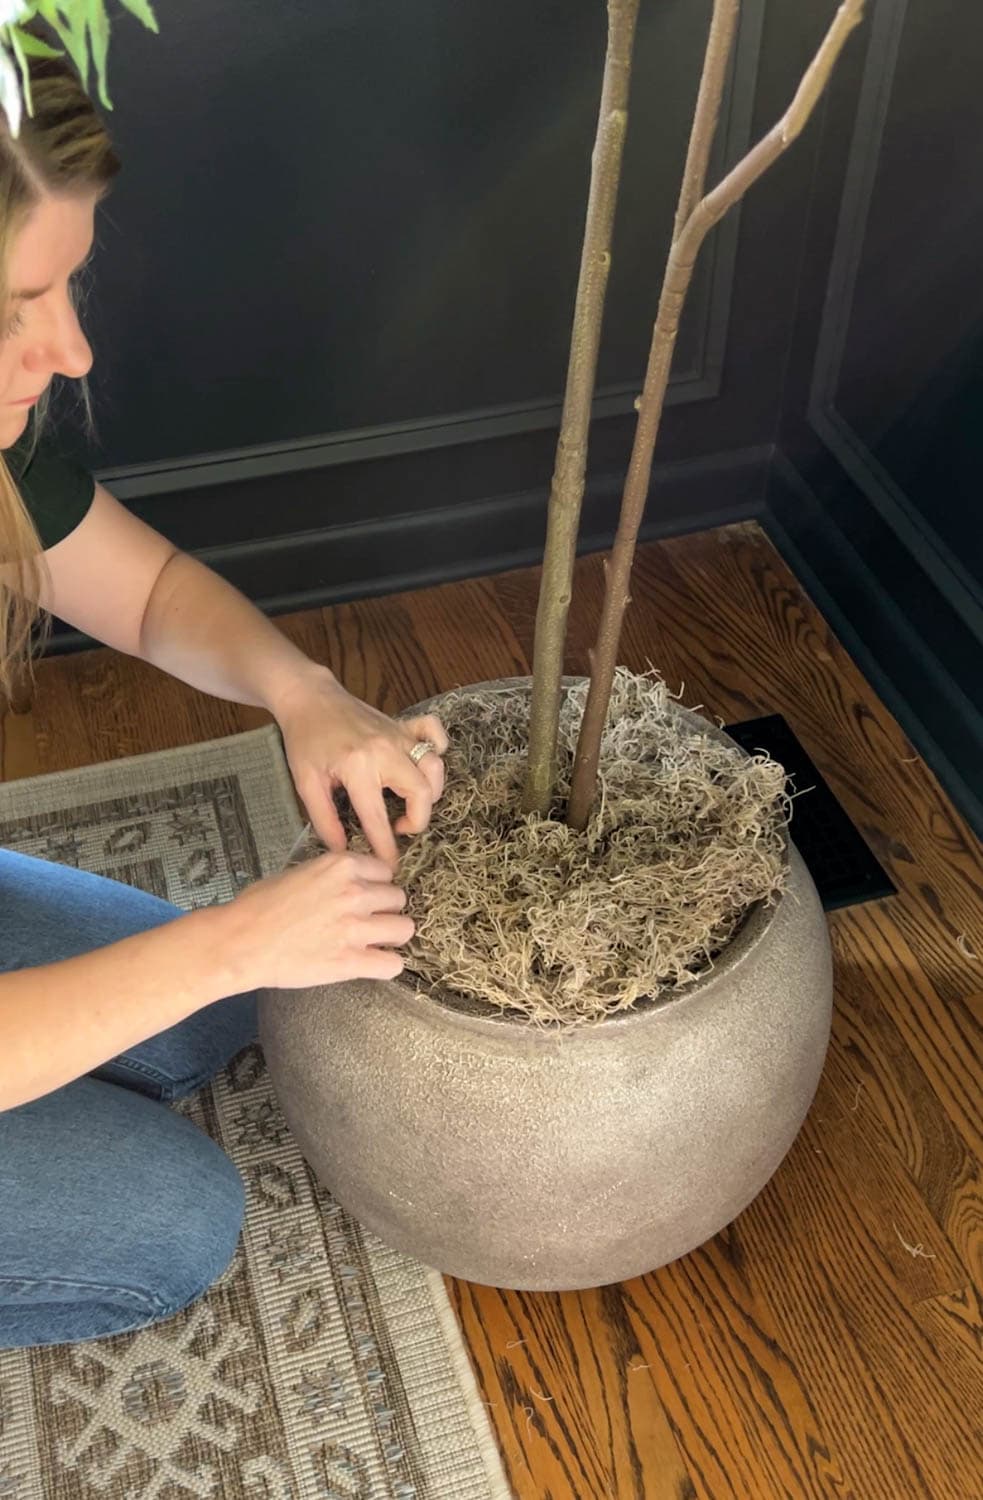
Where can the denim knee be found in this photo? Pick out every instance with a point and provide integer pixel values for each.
(199, 1223)
(115, 1212)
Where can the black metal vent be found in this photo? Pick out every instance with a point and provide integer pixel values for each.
(845, 871)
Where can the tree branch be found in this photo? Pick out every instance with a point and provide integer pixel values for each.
(723, 26)
(678, 274)
(567, 489)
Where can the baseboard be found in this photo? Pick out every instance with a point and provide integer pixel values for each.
(364, 445)
(924, 685)
(417, 548)
(929, 683)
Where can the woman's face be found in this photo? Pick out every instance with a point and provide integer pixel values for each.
(41, 334)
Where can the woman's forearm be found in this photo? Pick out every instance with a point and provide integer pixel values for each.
(199, 628)
(59, 1021)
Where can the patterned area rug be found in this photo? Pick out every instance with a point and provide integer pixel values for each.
(323, 1366)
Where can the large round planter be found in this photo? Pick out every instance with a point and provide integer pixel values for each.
(521, 1158)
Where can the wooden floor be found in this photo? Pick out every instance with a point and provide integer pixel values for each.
(828, 1343)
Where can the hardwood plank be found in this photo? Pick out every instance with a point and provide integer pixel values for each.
(850, 1146)
(828, 1342)
(18, 737)
(836, 1218)
(466, 634)
(895, 1424)
(953, 1324)
(568, 1393)
(892, 1434)
(98, 706)
(711, 1341)
(743, 635)
(916, 1063)
(374, 652)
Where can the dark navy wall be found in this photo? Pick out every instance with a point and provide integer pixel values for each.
(332, 296)
(875, 491)
(347, 235)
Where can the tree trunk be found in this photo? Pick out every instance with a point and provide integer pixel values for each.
(567, 489)
(689, 236)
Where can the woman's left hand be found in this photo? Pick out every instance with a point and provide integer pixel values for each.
(333, 739)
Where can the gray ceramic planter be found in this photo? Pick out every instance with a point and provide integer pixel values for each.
(508, 1156)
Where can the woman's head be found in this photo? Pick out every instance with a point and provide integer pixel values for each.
(51, 178)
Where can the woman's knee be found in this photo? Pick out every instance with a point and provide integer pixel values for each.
(114, 1212)
(184, 1234)
(194, 1221)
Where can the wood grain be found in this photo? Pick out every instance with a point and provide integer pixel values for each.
(830, 1341)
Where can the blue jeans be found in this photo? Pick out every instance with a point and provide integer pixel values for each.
(115, 1211)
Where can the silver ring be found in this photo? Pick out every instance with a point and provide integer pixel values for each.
(420, 749)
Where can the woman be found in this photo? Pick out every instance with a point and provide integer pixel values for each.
(114, 1210)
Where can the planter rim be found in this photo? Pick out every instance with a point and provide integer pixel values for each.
(480, 1016)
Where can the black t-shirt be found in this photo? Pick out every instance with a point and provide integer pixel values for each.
(56, 491)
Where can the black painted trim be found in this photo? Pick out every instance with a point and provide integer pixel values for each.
(864, 599)
(921, 677)
(389, 440)
(386, 554)
(903, 519)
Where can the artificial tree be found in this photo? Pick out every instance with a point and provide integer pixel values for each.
(696, 213)
(609, 1028)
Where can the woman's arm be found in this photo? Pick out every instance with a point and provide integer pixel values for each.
(121, 582)
(332, 919)
(61, 1020)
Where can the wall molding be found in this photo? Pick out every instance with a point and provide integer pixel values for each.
(365, 444)
(357, 445)
(915, 676)
(418, 548)
(934, 556)
(938, 711)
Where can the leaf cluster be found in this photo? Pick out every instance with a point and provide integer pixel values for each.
(80, 28)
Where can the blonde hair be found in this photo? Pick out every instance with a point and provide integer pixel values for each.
(63, 148)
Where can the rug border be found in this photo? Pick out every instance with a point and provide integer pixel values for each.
(267, 738)
(44, 779)
(455, 1344)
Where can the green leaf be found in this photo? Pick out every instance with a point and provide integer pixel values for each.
(49, 11)
(16, 41)
(10, 95)
(98, 24)
(143, 12)
(71, 32)
(32, 46)
(83, 29)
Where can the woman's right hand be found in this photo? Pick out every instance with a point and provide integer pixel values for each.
(332, 918)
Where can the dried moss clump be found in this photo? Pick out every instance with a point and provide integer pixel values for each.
(688, 833)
